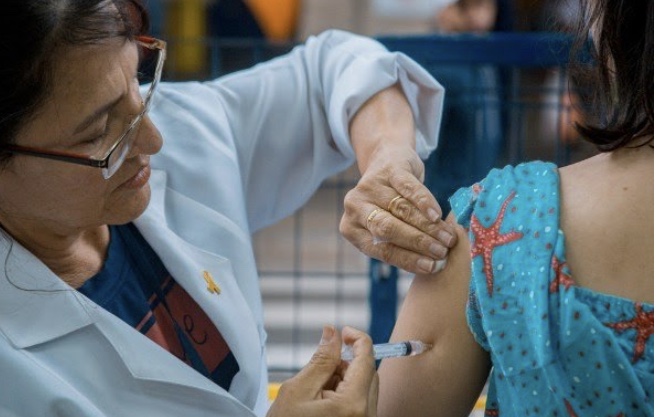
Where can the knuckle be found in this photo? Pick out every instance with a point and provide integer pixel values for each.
(344, 228)
(388, 169)
(386, 227)
(419, 242)
(365, 186)
(430, 228)
(321, 359)
(403, 209)
(421, 199)
(406, 187)
(350, 201)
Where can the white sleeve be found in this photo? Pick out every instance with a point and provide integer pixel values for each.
(288, 118)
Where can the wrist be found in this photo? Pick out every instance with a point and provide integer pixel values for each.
(384, 122)
(386, 150)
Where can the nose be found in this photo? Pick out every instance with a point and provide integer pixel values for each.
(148, 140)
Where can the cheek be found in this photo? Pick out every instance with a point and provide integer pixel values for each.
(65, 193)
(79, 192)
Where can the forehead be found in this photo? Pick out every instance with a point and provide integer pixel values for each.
(83, 79)
(92, 71)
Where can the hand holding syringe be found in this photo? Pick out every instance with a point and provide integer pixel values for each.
(391, 350)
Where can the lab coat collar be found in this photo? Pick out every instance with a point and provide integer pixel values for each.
(36, 306)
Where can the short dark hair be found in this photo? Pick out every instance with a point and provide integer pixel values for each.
(32, 31)
(624, 71)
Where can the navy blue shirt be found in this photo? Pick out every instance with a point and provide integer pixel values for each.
(135, 286)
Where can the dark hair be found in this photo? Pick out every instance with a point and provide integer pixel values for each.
(31, 33)
(623, 71)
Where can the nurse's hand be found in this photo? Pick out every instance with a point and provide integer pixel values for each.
(390, 215)
(330, 387)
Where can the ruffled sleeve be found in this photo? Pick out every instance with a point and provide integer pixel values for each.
(512, 221)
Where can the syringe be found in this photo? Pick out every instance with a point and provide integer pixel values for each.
(391, 350)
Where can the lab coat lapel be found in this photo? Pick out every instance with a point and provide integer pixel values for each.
(158, 371)
(28, 289)
(190, 267)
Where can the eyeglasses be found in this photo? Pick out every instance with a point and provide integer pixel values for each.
(110, 159)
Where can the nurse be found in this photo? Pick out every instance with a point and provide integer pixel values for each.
(128, 285)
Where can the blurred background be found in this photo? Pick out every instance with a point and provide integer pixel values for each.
(284, 20)
(509, 98)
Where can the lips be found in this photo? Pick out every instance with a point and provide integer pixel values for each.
(140, 178)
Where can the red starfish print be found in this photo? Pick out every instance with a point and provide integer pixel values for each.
(572, 413)
(643, 323)
(487, 238)
(570, 410)
(561, 277)
(491, 412)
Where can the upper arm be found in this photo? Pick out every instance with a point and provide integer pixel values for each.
(289, 118)
(448, 378)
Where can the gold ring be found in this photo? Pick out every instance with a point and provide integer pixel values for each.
(389, 206)
(371, 216)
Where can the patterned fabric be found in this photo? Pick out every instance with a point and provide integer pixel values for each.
(135, 286)
(557, 349)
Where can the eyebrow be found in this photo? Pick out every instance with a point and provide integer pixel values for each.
(97, 114)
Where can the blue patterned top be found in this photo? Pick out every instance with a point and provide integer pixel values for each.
(557, 349)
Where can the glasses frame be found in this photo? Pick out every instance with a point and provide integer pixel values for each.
(145, 41)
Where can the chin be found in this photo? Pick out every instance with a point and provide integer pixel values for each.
(131, 206)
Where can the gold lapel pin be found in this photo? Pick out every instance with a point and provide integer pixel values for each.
(211, 285)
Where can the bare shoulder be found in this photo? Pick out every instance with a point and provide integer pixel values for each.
(607, 215)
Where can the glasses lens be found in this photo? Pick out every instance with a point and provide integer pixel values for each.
(120, 153)
(150, 71)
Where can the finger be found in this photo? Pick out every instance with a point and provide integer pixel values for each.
(414, 191)
(326, 359)
(394, 255)
(372, 405)
(386, 227)
(404, 210)
(361, 370)
(332, 383)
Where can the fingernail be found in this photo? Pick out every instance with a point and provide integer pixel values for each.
(437, 250)
(327, 335)
(426, 265)
(445, 237)
(439, 265)
(433, 215)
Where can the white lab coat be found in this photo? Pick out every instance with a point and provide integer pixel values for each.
(240, 153)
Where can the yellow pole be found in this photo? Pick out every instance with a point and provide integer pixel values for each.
(186, 26)
(277, 18)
